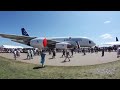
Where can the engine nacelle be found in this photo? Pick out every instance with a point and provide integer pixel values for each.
(39, 43)
(63, 45)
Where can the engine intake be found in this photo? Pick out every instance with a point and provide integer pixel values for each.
(39, 43)
(45, 42)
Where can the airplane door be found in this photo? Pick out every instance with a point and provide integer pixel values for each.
(77, 44)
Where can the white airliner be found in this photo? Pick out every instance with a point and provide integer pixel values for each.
(48, 42)
(117, 43)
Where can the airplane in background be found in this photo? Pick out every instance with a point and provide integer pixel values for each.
(49, 42)
(117, 43)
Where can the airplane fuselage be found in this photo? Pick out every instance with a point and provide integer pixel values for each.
(83, 42)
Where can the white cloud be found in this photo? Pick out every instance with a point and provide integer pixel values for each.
(106, 36)
(106, 22)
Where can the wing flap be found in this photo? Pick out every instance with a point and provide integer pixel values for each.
(21, 42)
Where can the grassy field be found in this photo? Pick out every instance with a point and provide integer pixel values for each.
(11, 69)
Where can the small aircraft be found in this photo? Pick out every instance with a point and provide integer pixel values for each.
(42, 42)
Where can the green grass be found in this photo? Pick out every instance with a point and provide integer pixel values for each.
(11, 69)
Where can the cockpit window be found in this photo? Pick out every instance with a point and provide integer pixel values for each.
(89, 42)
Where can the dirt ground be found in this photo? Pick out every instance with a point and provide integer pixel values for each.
(77, 60)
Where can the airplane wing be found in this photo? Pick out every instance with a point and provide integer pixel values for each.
(16, 37)
(19, 41)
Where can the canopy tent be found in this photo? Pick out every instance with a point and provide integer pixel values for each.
(10, 46)
(27, 47)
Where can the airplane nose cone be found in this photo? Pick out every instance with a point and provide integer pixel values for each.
(94, 44)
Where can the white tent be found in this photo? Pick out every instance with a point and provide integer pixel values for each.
(27, 47)
(10, 46)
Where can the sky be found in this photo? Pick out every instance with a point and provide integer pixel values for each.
(99, 26)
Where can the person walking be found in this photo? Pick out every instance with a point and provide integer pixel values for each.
(83, 51)
(42, 58)
(67, 56)
(32, 53)
(15, 54)
(28, 54)
(72, 50)
(54, 54)
(63, 53)
(102, 52)
(49, 51)
(118, 52)
(18, 53)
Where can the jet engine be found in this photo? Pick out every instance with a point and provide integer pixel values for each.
(39, 43)
(63, 45)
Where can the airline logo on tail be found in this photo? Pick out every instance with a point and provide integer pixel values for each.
(117, 39)
(24, 33)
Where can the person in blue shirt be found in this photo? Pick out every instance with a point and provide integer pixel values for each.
(43, 58)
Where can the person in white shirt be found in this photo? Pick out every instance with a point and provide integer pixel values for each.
(32, 53)
(15, 54)
(28, 54)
